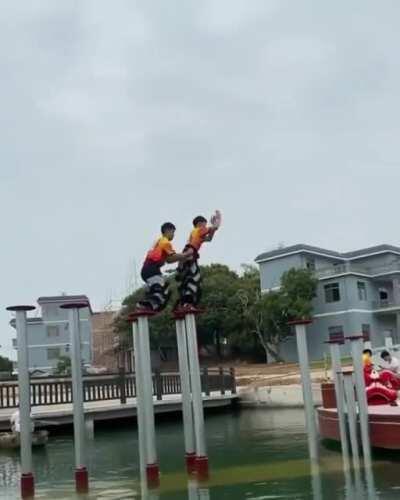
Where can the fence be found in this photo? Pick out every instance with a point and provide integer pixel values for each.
(55, 391)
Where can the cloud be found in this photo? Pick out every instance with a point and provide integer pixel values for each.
(116, 116)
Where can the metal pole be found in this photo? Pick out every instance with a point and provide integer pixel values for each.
(352, 417)
(307, 388)
(338, 381)
(187, 411)
(356, 344)
(152, 469)
(195, 380)
(81, 473)
(141, 422)
(27, 479)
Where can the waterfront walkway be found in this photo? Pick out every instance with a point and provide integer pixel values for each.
(97, 411)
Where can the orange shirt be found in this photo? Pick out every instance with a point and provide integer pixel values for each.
(197, 236)
(160, 251)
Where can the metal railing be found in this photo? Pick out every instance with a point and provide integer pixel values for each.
(350, 267)
(57, 391)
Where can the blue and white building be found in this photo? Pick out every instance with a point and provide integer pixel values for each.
(48, 334)
(357, 292)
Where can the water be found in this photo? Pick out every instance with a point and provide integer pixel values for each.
(254, 455)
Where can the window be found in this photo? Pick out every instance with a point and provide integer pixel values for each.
(310, 264)
(332, 293)
(53, 331)
(53, 353)
(362, 290)
(383, 297)
(366, 331)
(336, 333)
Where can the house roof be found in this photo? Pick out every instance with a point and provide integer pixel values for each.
(63, 299)
(302, 248)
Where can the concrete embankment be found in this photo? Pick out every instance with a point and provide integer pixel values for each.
(276, 396)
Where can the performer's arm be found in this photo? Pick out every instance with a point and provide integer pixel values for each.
(179, 257)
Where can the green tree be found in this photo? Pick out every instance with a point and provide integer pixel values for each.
(268, 314)
(220, 285)
(5, 364)
(63, 366)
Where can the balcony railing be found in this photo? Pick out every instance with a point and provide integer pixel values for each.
(353, 268)
(385, 304)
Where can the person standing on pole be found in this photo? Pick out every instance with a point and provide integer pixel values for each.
(188, 274)
(162, 252)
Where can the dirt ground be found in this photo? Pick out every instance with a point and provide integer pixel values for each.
(275, 374)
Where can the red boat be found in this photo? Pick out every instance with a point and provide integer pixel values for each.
(384, 421)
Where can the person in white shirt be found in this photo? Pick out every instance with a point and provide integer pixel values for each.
(391, 363)
(16, 425)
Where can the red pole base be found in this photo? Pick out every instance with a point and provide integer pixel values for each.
(152, 475)
(27, 485)
(81, 480)
(190, 459)
(202, 468)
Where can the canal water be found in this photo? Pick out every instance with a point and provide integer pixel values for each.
(255, 454)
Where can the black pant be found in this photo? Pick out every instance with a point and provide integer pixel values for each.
(157, 293)
(190, 282)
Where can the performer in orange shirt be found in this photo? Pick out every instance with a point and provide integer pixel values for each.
(157, 294)
(189, 271)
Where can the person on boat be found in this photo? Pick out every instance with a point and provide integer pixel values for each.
(16, 424)
(391, 363)
(162, 252)
(188, 274)
(367, 357)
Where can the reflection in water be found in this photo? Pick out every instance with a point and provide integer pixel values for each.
(254, 454)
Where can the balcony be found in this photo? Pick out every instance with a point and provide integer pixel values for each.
(348, 267)
(385, 306)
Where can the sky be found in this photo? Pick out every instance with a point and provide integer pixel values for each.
(118, 116)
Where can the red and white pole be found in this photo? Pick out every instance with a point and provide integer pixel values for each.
(144, 383)
(27, 478)
(187, 410)
(81, 472)
(197, 398)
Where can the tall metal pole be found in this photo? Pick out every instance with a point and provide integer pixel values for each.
(311, 427)
(187, 411)
(27, 478)
(356, 344)
(302, 350)
(146, 379)
(339, 391)
(81, 472)
(197, 399)
(352, 416)
(141, 422)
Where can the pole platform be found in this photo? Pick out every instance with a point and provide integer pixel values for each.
(190, 459)
(134, 316)
(20, 308)
(294, 322)
(202, 468)
(153, 476)
(181, 311)
(27, 485)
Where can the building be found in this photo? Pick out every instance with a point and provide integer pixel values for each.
(48, 334)
(357, 292)
(106, 344)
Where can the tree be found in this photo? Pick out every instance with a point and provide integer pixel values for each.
(235, 310)
(219, 286)
(268, 314)
(5, 364)
(63, 366)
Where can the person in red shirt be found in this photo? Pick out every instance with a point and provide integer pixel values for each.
(162, 252)
(189, 271)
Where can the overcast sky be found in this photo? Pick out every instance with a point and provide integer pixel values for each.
(117, 116)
